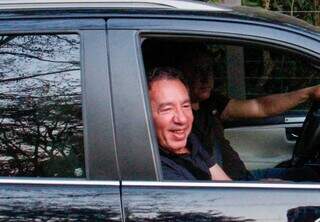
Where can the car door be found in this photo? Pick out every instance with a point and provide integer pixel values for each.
(57, 150)
(144, 195)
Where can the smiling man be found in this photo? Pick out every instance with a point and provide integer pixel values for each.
(182, 156)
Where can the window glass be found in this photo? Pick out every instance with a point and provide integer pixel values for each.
(41, 128)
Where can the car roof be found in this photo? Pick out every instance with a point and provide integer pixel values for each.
(148, 9)
(174, 4)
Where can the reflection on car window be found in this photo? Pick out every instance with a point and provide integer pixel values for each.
(41, 129)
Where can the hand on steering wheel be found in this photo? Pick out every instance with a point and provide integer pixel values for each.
(308, 144)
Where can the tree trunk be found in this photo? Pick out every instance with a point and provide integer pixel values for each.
(266, 4)
(268, 64)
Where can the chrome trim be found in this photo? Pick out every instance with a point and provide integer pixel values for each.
(36, 181)
(294, 119)
(217, 184)
(177, 4)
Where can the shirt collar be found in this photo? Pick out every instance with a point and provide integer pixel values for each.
(192, 145)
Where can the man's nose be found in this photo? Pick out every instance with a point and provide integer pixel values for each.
(180, 117)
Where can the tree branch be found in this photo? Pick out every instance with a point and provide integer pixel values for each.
(6, 39)
(36, 75)
(36, 57)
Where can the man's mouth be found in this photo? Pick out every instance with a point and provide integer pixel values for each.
(179, 131)
(179, 134)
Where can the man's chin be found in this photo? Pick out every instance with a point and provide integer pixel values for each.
(179, 148)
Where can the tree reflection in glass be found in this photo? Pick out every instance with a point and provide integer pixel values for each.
(41, 129)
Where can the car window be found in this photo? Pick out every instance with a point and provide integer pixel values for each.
(240, 71)
(259, 71)
(41, 127)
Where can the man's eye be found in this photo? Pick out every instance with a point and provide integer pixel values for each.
(164, 110)
(187, 105)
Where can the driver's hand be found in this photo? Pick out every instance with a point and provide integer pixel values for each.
(315, 95)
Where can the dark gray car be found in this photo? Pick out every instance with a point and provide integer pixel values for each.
(76, 136)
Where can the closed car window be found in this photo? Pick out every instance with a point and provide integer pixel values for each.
(41, 128)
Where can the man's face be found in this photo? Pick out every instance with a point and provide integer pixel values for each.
(200, 72)
(172, 114)
(201, 88)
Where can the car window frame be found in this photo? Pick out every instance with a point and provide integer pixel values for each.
(98, 135)
(196, 28)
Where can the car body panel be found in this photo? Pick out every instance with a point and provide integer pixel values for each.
(136, 152)
(164, 201)
(59, 200)
(244, 31)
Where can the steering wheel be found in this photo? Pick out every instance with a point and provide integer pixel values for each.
(307, 147)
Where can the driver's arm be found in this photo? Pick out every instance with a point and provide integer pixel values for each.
(268, 105)
(217, 173)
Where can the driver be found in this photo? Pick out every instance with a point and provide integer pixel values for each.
(211, 110)
(182, 156)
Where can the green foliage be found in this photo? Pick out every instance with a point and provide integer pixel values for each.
(214, 1)
(308, 10)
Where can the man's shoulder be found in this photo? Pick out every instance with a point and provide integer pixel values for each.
(173, 171)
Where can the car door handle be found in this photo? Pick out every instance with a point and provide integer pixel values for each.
(294, 119)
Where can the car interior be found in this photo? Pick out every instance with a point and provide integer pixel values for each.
(245, 70)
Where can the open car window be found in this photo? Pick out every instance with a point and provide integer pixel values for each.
(248, 147)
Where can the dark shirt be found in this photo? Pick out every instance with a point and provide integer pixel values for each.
(208, 128)
(193, 166)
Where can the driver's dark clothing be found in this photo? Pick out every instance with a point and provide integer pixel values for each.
(297, 174)
(207, 126)
(193, 166)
